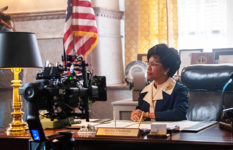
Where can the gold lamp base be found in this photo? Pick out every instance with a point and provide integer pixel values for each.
(17, 126)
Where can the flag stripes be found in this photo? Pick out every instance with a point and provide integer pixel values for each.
(80, 31)
(84, 16)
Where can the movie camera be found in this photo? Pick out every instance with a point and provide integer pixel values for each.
(64, 90)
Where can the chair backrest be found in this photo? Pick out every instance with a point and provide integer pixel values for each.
(205, 84)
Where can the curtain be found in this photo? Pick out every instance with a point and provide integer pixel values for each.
(147, 23)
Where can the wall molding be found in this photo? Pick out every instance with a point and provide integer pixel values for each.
(103, 12)
(61, 14)
(50, 38)
(40, 15)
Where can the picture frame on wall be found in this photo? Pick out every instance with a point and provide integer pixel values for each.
(142, 57)
(185, 57)
(223, 55)
(202, 58)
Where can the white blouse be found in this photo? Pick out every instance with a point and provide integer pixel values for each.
(154, 94)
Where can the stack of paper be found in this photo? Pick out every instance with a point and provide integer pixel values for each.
(184, 125)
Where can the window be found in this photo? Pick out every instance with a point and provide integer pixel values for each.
(204, 24)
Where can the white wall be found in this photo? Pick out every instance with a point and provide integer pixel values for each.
(16, 6)
(230, 23)
(109, 4)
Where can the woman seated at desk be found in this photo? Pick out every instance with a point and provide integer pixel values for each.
(164, 99)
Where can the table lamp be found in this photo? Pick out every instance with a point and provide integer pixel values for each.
(18, 50)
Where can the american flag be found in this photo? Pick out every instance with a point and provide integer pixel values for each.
(80, 33)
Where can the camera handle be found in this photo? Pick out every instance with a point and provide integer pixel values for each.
(85, 85)
(57, 141)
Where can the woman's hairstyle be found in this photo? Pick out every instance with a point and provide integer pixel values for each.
(168, 57)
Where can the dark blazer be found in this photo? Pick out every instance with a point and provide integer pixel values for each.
(171, 108)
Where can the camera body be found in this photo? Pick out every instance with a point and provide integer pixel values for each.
(65, 90)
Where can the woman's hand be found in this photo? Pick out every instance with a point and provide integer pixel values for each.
(136, 114)
(149, 115)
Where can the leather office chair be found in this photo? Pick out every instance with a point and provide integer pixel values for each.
(205, 84)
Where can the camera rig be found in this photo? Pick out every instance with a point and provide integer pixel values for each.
(64, 90)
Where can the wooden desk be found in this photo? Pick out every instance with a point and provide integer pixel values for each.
(210, 138)
(13, 142)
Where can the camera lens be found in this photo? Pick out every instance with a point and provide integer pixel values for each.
(29, 93)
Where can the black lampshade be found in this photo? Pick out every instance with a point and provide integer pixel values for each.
(19, 50)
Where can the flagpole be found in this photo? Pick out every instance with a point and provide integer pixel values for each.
(64, 53)
(73, 33)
